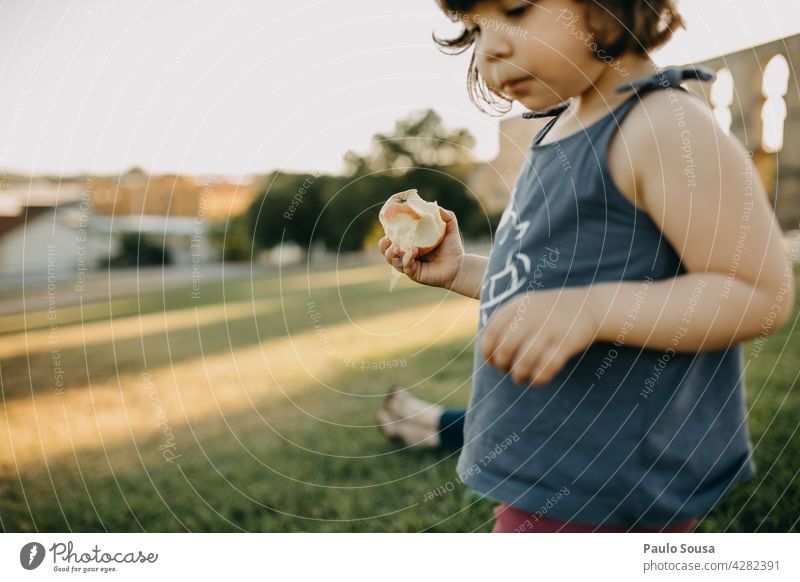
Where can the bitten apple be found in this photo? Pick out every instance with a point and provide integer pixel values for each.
(409, 221)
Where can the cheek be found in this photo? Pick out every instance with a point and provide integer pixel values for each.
(564, 48)
(561, 60)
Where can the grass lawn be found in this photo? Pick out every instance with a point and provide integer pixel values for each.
(252, 409)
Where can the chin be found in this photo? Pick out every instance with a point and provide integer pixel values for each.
(539, 103)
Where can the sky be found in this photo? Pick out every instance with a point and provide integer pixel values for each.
(238, 87)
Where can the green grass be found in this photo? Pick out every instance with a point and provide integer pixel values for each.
(306, 457)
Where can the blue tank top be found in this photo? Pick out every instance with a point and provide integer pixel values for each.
(622, 435)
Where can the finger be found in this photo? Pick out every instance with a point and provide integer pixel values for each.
(446, 215)
(409, 266)
(524, 363)
(490, 338)
(407, 255)
(488, 341)
(500, 324)
(502, 354)
(390, 252)
(530, 357)
(450, 223)
(384, 244)
(395, 257)
(505, 352)
(550, 364)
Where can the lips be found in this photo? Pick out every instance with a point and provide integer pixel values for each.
(513, 84)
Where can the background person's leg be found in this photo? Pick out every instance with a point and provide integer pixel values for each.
(417, 422)
(451, 429)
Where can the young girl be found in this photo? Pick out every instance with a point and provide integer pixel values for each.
(637, 251)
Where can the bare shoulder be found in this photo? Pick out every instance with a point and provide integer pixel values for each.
(699, 187)
(665, 129)
(664, 119)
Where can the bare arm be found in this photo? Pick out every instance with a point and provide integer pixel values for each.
(693, 312)
(471, 270)
(701, 189)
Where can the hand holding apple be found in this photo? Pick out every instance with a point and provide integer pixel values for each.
(424, 260)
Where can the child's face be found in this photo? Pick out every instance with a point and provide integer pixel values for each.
(547, 43)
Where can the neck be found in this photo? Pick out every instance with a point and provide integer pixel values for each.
(602, 95)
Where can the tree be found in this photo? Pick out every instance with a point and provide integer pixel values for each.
(420, 140)
(139, 250)
(342, 211)
(286, 210)
(233, 238)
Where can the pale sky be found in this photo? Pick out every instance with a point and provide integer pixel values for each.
(238, 87)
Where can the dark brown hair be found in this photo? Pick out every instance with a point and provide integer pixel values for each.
(636, 26)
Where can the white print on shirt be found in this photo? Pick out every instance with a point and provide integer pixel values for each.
(520, 227)
(505, 283)
(511, 279)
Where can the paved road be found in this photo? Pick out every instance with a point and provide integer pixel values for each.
(132, 282)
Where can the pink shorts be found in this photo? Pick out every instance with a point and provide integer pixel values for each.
(511, 520)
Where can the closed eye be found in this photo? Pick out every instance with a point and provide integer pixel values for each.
(517, 11)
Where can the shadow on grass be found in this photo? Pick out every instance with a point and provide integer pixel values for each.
(272, 468)
(275, 468)
(105, 358)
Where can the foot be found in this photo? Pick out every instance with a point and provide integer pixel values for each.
(402, 405)
(411, 420)
(407, 431)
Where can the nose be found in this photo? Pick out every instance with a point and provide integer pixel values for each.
(493, 49)
(494, 45)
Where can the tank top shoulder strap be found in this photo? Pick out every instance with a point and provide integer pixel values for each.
(669, 78)
(553, 112)
(543, 131)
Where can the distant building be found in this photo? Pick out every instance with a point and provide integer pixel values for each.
(493, 181)
(186, 238)
(175, 210)
(140, 194)
(764, 113)
(42, 233)
(64, 228)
